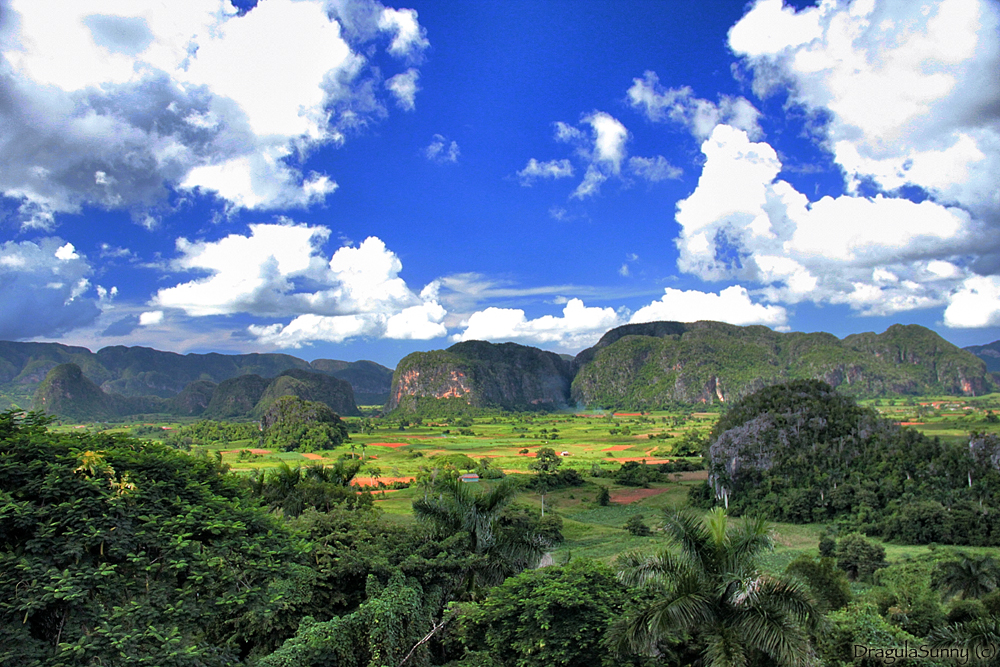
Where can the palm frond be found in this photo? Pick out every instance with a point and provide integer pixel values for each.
(638, 569)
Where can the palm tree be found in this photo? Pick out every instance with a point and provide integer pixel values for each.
(354, 446)
(710, 588)
(969, 577)
(500, 554)
(979, 637)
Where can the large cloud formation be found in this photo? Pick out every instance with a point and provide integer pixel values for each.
(902, 95)
(113, 103)
(278, 271)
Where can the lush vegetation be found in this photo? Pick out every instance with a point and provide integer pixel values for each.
(803, 453)
(117, 551)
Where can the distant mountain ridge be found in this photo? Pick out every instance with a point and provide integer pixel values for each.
(66, 392)
(655, 365)
(989, 353)
(134, 372)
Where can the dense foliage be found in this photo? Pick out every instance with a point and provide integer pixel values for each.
(115, 551)
(294, 424)
(801, 452)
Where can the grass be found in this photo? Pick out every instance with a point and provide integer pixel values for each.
(589, 530)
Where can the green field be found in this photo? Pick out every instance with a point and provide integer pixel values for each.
(589, 443)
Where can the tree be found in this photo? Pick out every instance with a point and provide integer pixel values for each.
(113, 547)
(859, 557)
(477, 514)
(604, 497)
(547, 464)
(968, 577)
(713, 591)
(549, 617)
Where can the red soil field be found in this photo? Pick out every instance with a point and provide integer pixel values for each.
(252, 451)
(628, 414)
(313, 457)
(618, 448)
(367, 481)
(911, 423)
(627, 496)
(394, 445)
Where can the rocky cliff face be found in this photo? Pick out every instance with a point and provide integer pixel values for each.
(486, 375)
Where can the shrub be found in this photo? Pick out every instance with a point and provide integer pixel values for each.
(636, 526)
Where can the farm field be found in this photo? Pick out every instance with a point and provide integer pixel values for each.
(595, 445)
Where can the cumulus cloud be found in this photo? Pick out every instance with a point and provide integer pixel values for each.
(551, 169)
(908, 90)
(45, 289)
(743, 223)
(115, 109)
(699, 116)
(975, 304)
(732, 305)
(579, 326)
(278, 270)
(441, 151)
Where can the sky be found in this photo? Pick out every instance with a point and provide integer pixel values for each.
(351, 180)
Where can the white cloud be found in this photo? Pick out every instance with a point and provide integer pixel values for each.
(441, 151)
(698, 115)
(45, 289)
(609, 139)
(742, 223)
(909, 88)
(551, 169)
(150, 318)
(654, 169)
(112, 104)
(279, 271)
(732, 305)
(602, 150)
(578, 327)
(404, 87)
(976, 304)
(410, 39)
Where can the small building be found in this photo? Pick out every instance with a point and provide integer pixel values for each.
(564, 454)
(469, 477)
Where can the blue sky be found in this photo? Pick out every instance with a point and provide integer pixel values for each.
(347, 179)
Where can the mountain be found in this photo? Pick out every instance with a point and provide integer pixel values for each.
(990, 353)
(650, 366)
(141, 371)
(655, 365)
(333, 392)
(236, 397)
(483, 375)
(371, 382)
(67, 392)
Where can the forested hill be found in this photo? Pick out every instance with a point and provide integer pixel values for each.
(652, 365)
(655, 365)
(134, 372)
